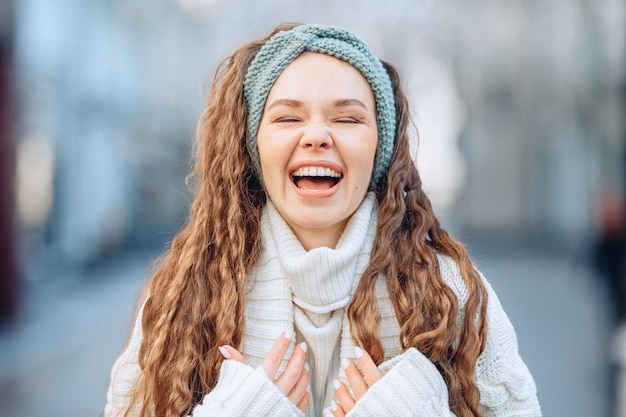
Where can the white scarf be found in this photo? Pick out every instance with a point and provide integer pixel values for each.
(291, 289)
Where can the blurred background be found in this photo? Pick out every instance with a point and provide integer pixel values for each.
(521, 109)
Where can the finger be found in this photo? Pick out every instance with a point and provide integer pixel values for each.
(304, 403)
(358, 384)
(336, 409)
(274, 357)
(301, 394)
(343, 395)
(229, 352)
(291, 375)
(300, 388)
(371, 373)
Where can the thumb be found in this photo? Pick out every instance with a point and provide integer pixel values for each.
(229, 352)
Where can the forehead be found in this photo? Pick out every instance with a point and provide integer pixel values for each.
(320, 61)
(321, 73)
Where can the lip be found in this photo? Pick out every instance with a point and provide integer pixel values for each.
(315, 194)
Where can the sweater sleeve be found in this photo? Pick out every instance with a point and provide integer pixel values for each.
(411, 386)
(245, 392)
(506, 386)
(124, 375)
(240, 391)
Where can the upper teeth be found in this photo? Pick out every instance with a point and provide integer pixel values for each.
(315, 172)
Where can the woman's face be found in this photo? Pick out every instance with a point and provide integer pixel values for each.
(317, 141)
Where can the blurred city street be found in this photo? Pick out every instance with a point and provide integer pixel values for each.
(521, 149)
(56, 362)
(56, 359)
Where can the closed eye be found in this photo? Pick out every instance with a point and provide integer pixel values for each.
(287, 120)
(348, 120)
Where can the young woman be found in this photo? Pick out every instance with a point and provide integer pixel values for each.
(313, 277)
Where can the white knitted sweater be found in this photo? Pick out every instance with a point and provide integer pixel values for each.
(308, 292)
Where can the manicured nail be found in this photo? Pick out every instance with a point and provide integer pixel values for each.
(306, 366)
(308, 389)
(337, 384)
(345, 363)
(224, 352)
(358, 352)
(289, 335)
(303, 346)
(333, 405)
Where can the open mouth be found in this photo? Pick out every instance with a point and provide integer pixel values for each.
(312, 178)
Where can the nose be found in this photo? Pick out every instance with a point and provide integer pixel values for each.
(316, 136)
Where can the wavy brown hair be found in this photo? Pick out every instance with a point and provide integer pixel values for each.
(194, 301)
(407, 240)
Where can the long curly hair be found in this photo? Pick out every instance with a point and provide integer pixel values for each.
(194, 301)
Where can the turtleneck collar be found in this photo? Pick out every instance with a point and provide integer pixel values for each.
(322, 279)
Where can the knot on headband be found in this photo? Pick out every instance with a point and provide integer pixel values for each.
(285, 46)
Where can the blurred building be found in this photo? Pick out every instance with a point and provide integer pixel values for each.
(518, 106)
(8, 275)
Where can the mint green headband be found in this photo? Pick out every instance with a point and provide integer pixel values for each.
(284, 47)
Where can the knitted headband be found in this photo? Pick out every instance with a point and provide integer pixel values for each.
(285, 46)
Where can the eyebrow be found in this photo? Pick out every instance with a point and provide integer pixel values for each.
(342, 102)
(285, 102)
(346, 102)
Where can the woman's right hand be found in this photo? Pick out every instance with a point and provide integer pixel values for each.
(294, 380)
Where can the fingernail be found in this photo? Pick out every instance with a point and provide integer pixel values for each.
(345, 363)
(224, 352)
(308, 389)
(336, 384)
(358, 352)
(289, 335)
(303, 346)
(306, 366)
(333, 405)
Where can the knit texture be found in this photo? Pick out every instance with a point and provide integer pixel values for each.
(278, 300)
(258, 397)
(321, 283)
(124, 375)
(398, 395)
(285, 46)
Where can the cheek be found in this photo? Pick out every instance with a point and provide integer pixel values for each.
(271, 160)
(273, 165)
(364, 165)
(368, 162)
(266, 155)
(261, 148)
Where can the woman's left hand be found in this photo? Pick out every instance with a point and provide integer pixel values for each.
(360, 382)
